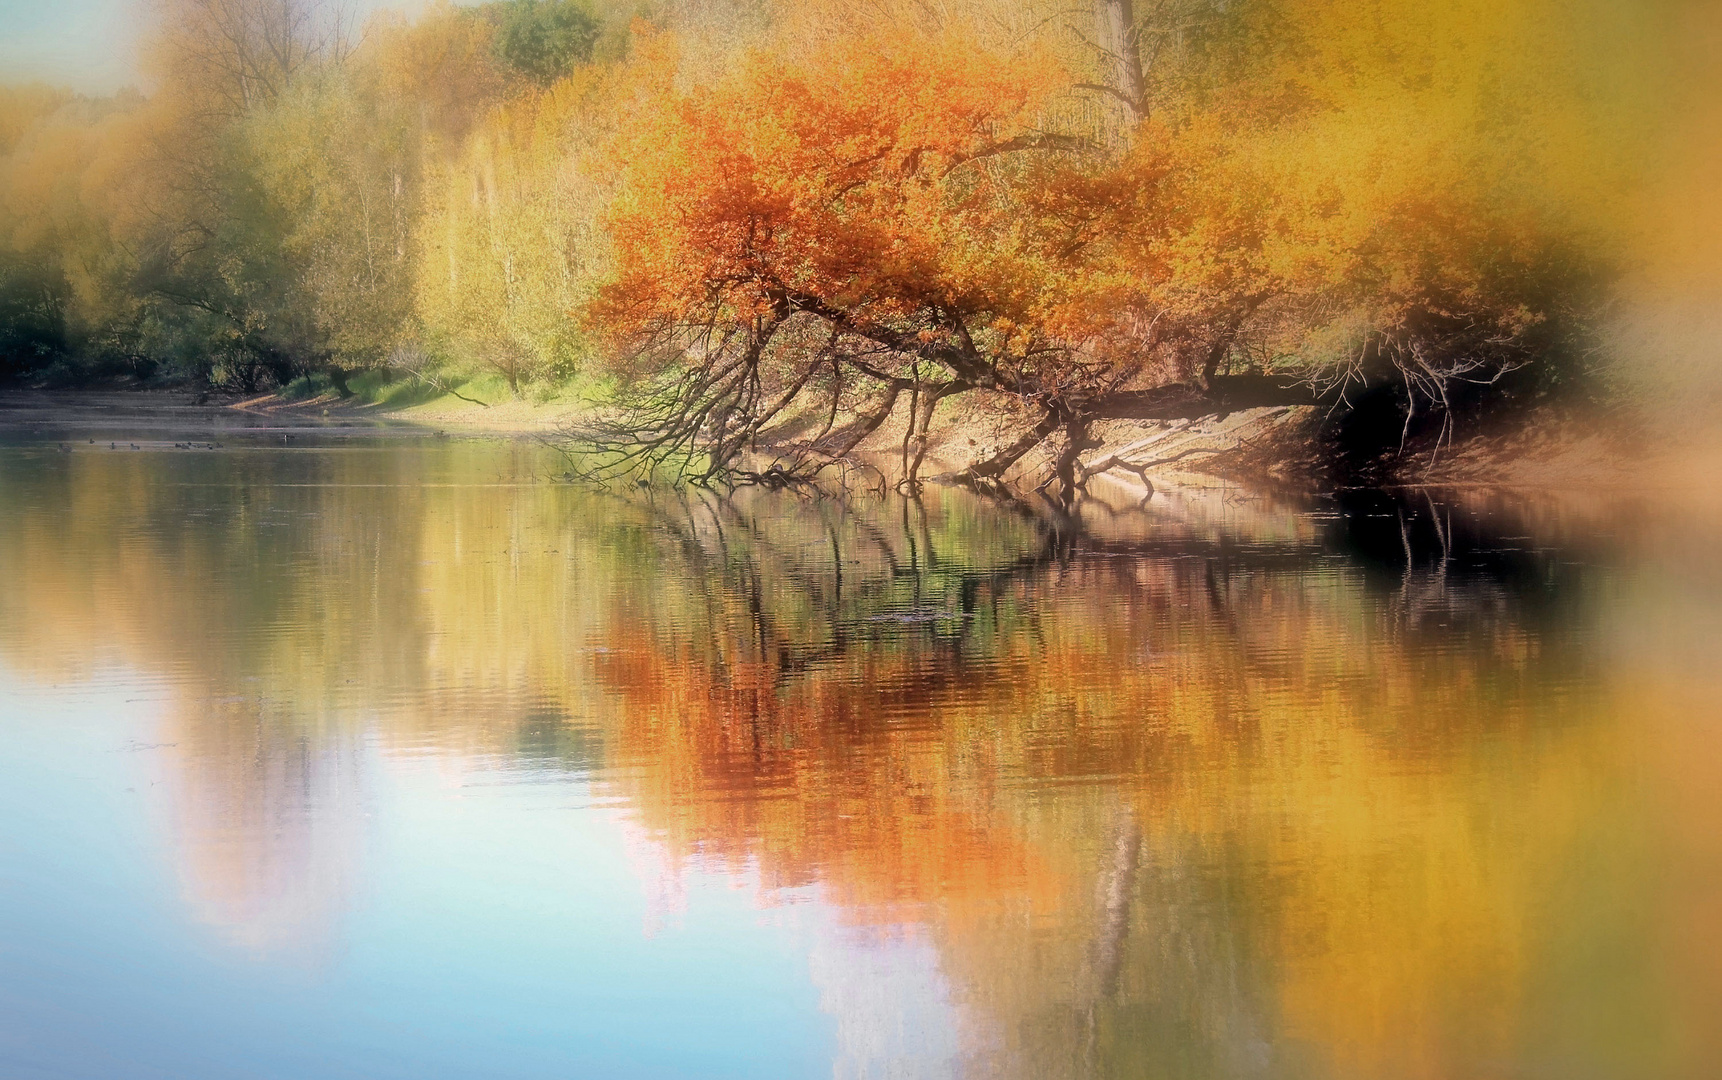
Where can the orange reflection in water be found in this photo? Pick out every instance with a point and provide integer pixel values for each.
(1236, 798)
(1271, 815)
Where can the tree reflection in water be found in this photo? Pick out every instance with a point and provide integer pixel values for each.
(1327, 790)
(1214, 805)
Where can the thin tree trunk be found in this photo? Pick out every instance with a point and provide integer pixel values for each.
(1076, 441)
(1115, 21)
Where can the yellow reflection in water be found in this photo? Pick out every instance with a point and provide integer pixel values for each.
(1218, 801)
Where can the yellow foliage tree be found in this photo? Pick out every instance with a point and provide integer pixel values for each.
(511, 234)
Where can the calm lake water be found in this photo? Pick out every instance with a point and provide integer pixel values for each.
(378, 755)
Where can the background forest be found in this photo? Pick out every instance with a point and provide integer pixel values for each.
(710, 208)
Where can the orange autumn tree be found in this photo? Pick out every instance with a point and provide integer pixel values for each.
(863, 226)
(910, 214)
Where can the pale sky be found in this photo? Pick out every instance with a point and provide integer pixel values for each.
(88, 45)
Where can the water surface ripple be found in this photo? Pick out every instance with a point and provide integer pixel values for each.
(374, 756)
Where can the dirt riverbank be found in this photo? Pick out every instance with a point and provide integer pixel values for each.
(93, 410)
(1278, 448)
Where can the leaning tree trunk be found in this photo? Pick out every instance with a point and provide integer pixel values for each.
(990, 470)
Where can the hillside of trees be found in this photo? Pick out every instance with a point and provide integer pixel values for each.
(731, 222)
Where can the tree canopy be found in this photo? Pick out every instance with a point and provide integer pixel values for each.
(753, 227)
(935, 216)
(543, 40)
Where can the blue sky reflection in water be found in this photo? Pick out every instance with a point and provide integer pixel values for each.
(364, 957)
(367, 757)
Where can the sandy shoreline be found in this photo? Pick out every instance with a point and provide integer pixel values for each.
(74, 411)
(1260, 449)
